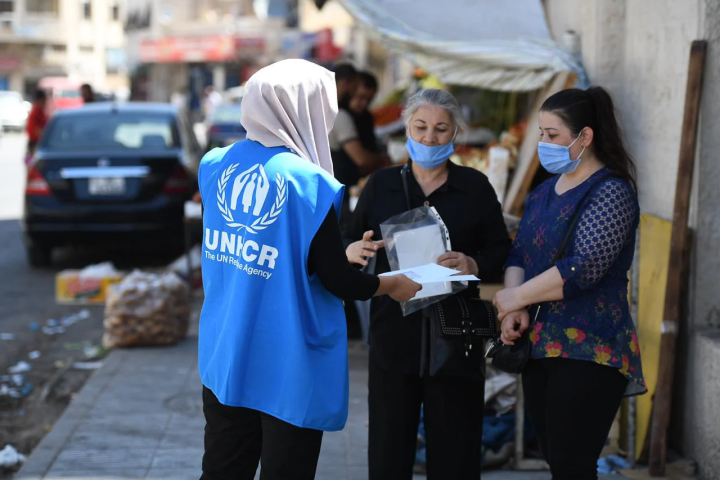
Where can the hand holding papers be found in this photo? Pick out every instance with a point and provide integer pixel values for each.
(432, 273)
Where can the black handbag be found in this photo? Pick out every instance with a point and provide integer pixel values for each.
(458, 328)
(513, 358)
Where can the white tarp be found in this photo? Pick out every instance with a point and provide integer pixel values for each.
(499, 45)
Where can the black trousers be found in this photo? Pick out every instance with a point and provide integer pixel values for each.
(453, 425)
(237, 438)
(572, 405)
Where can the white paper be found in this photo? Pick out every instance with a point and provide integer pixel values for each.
(420, 247)
(430, 270)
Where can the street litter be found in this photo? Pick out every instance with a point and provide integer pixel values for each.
(34, 355)
(87, 365)
(9, 457)
(612, 464)
(53, 330)
(20, 368)
(147, 309)
(7, 336)
(72, 319)
(94, 351)
(34, 326)
(86, 286)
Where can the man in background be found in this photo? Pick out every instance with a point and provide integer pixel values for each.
(87, 93)
(346, 77)
(358, 106)
(354, 155)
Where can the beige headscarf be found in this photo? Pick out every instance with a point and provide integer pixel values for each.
(292, 103)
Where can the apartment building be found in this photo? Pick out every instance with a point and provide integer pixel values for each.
(82, 40)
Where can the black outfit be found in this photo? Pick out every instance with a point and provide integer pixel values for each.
(469, 207)
(344, 169)
(237, 438)
(558, 389)
(348, 173)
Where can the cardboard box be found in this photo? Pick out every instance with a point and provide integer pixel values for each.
(73, 288)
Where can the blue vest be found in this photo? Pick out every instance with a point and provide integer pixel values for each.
(272, 338)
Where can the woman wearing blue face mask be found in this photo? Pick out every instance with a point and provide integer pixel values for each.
(398, 379)
(585, 354)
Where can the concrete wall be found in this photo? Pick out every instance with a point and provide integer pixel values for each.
(639, 50)
(640, 54)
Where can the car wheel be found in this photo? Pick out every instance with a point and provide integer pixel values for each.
(38, 255)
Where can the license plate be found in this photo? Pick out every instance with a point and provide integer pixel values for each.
(106, 186)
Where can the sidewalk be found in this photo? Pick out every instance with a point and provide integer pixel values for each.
(140, 417)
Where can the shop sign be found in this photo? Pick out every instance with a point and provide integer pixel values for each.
(9, 63)
(218, 48)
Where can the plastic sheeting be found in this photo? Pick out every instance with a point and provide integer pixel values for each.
(503, 46)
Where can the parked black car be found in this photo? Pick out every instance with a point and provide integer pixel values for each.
(107, 170)
(224, 127)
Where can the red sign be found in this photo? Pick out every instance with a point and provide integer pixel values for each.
(219, 48)
(9, 64)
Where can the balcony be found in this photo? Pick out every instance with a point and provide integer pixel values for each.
(34, 28)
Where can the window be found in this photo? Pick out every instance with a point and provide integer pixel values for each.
(115, 12)
(7, 6)
(87, 9)
(113, 132)
(87, 48)
(42, 6)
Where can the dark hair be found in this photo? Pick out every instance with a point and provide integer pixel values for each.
(40, 95)
(86, 86)
(368, 80)
(344, 71)
(594, 108)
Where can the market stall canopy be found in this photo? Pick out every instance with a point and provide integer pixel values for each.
(503, 46)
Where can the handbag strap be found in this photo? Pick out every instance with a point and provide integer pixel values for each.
(576, 218)
(571, 229)
(404, 173)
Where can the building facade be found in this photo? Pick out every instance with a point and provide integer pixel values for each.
(82, 40)
(186, 46)
(640, 52)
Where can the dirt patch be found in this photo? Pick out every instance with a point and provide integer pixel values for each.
(54, 381)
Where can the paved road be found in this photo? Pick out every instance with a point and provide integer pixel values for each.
(28, 295)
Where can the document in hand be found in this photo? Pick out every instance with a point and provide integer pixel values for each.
(432, 273)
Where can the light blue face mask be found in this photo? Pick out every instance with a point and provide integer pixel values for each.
(429, 157)
(556, 158)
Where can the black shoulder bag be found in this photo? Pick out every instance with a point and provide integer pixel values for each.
(457, 323)
(513, 358)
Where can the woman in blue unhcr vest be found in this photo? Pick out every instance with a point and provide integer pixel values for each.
(273, 341)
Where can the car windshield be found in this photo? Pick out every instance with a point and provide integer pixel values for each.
(68, 93)
(113, 132)
(226, 114)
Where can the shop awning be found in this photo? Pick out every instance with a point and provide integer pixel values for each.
(489, 44)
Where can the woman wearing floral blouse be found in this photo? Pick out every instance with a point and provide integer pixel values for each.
(585, 354)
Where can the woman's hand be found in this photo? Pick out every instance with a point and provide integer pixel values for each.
(459, 261)
(399, 287)
(509, 300)
(513, 325)
(358, 252)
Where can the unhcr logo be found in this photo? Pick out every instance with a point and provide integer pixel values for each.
(248, 195)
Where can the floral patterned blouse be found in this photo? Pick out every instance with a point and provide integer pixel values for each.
(593, 320)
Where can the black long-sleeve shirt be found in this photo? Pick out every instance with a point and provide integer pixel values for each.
(469, 207)
(327, 258)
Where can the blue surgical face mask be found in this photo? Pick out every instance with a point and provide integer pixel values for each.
(556, 158)
(429, 157)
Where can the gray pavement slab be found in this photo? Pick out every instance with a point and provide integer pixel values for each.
(140, 417)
